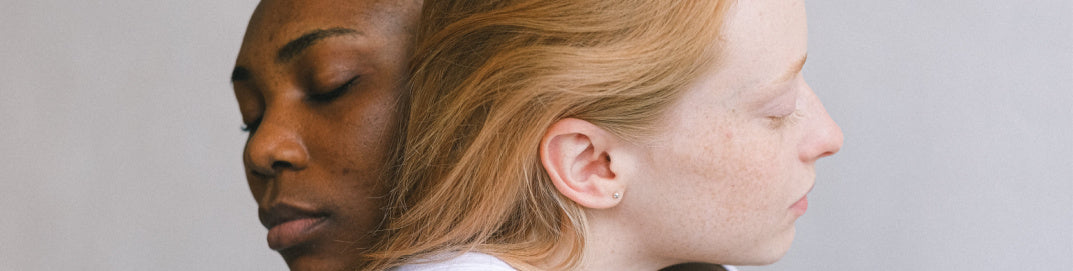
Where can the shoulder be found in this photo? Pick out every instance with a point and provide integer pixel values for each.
(464, 262)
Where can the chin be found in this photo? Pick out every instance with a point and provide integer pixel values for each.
(774, 257)
(779, 248)
(767, 253)
(314, 256)
(760, 258)
(311, 262)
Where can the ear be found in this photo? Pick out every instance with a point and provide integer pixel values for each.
(578, 157)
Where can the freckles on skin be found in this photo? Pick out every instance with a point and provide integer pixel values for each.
(735, 169)
(345, 139)
(373, 126)
(747, 162)
(371, 129)
(346, 172)
(720, 168)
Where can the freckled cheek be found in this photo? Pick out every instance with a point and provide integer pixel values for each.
(758, 174)
(363, 140)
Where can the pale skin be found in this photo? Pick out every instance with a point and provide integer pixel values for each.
(725, 179)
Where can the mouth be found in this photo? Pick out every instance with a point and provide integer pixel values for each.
(801, 205)
(289, 226)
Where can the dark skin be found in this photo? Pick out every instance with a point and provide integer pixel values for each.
(317, 83)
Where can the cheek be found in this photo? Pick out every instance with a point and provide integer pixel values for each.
(359, 132)
(742, 170)
(738, 157)
(751, 175)
(353, 151)
(727, 183)
(749, 190)
(364, 139)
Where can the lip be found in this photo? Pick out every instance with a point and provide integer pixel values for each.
(801, 205)
(289, 225)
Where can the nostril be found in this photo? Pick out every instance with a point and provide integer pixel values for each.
(826, 154)
(282, 164)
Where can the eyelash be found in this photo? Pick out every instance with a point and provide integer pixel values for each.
(335, 93)
(252, 126)
(789, 119)
(317, 97)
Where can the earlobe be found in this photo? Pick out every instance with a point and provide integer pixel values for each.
(578, 155)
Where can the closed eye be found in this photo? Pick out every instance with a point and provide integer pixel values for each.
(334, 93)
(787, 120)
(252, 126)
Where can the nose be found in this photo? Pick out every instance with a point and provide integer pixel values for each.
(824, 137)
(274, 147)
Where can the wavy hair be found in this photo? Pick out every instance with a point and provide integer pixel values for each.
(489, 77)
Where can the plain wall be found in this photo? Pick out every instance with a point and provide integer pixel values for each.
(120, 143)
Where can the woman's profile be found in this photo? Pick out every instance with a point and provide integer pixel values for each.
(317, 84)
(604, 135)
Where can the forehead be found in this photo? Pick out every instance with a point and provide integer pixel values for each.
(762, 39)
(276, 22)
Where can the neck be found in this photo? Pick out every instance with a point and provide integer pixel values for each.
(609, 245)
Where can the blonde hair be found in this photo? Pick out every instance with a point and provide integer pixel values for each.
(489, 77)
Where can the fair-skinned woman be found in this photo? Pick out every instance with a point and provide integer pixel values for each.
(318, 83)
(605, 135)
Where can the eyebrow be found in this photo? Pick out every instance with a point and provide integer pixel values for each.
(296, 46)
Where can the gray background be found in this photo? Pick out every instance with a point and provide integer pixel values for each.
(120, 147)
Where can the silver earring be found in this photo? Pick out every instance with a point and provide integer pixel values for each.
(616, 195)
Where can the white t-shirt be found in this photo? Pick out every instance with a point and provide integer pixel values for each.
(471, 261)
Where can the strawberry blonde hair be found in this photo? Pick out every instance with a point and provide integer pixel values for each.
(489, 77)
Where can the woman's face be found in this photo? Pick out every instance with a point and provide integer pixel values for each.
(730, 172)
(317, 83)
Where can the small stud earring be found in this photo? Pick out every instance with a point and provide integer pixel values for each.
(616, 195)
